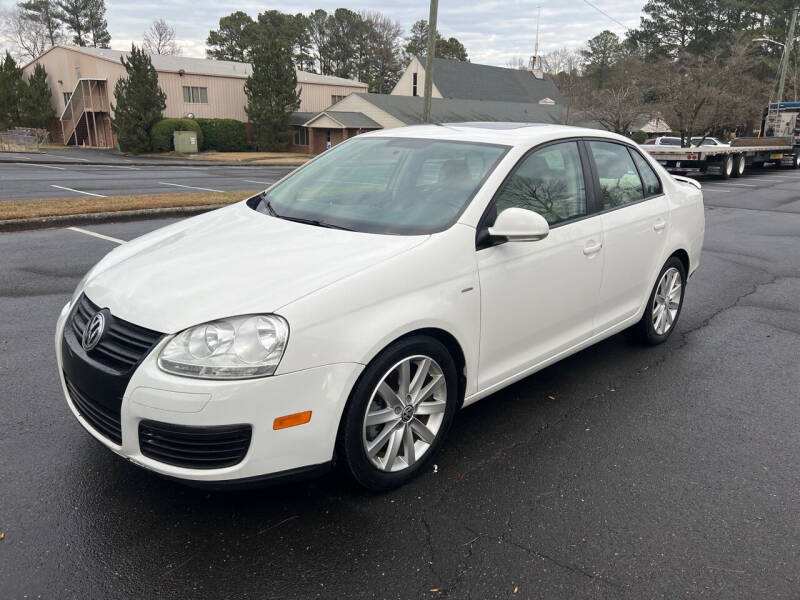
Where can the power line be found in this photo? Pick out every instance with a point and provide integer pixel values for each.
(601, 11)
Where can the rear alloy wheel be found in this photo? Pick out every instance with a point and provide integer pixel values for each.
(664, 305)
(738, 165)
(399, 412)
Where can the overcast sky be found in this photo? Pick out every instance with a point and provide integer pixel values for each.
(493, 31)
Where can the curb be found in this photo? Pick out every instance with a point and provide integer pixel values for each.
(194, 163)
(30, 224)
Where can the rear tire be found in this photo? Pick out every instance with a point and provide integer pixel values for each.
(663, 306)
(738, 165)
(726, 167)
(398, 414)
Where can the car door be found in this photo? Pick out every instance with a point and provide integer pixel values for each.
(635, 219)
(538, 298)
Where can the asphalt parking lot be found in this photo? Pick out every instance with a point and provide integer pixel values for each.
(621, 472)
(71, 178)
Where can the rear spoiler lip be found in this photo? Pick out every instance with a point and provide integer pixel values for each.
(688, 180)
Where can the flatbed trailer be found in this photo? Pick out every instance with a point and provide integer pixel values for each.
(728, 161)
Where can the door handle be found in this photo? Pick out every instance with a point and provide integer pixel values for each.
(659, 225)
(591, 249)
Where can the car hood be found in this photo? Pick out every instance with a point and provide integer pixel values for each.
(229, 262)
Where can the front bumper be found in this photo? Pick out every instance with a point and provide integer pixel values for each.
(154, 395)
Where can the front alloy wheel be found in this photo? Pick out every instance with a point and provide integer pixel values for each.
(398, 413)
(405, 413)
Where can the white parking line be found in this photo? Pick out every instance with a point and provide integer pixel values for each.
(43, 166)
(97, 235)
(259, 182)
(710, 189)
(191, 187)
(61, 187)
(739, 184)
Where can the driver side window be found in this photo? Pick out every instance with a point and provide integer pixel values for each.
(550, 182)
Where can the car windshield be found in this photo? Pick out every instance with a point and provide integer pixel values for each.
(385, 185)
(706, 141)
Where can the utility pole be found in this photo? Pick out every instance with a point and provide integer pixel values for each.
(426, 106)
(787, 50)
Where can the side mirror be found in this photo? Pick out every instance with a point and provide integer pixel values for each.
(519, 225)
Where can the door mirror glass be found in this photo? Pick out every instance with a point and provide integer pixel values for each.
(519, 225)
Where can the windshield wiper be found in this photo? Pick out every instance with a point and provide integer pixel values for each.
(315, 222)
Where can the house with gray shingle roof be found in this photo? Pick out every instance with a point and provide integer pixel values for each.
(461, 91)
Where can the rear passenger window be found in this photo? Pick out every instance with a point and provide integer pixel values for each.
(652, 184)
(550, 182)
(619, 179)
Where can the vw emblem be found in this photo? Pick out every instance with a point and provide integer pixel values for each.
(94, 331)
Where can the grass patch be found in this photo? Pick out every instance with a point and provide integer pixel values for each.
(49, 207)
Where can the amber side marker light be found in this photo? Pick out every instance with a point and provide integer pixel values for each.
(285, 421)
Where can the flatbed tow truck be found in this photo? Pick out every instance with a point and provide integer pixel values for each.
(782, 149)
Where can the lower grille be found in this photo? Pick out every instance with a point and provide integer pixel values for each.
(103, 419)
(194, 447)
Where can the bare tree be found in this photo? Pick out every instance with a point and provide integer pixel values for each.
(562, 60)
(160, 39)
(27, 37)
(517, 62)
(621, 103)
(702, 94)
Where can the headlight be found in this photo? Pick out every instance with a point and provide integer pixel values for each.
(235, 348)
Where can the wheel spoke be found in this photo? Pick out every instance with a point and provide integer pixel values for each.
(389, 396)
(425, 434)
(408, 446)
(395, 441)
(431, 408)
(379, 442)
(423, 367)
(383, 415)
(428, 390)
(403, 380)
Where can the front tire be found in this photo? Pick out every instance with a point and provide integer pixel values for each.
(399, 412)
(664, 304)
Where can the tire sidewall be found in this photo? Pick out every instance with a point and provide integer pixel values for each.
(650, 335)
(350, 445)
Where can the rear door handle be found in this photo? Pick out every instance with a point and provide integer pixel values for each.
(659, 225)
(591, 249)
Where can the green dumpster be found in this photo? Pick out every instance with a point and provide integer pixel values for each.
(185, 141)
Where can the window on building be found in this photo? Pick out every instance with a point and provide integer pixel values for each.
(336, 98)
(414, 84)
(67, 96)
(301, 136)
(195, 95)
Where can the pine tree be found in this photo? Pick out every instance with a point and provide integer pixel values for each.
(37, 100)
(45, 13)
(140, 102)
(86, 19)
(98, 26)
(12, 87)
(417, 44)
(272, 94)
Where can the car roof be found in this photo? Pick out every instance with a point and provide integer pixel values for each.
(509, 134)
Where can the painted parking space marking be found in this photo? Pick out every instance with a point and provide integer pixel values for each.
(710, 189)
(191, 187)
(43, 166)
(740, 184)
(66, 158)
(61, 187)
(252, 181)
(97, 235)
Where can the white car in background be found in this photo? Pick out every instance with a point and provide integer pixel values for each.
(708, 141)
(345, 315)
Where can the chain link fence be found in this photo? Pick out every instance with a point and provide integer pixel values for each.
(23, 139)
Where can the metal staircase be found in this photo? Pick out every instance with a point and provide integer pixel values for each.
(86, 119)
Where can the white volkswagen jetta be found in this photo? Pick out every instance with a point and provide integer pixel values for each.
(345, 314)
